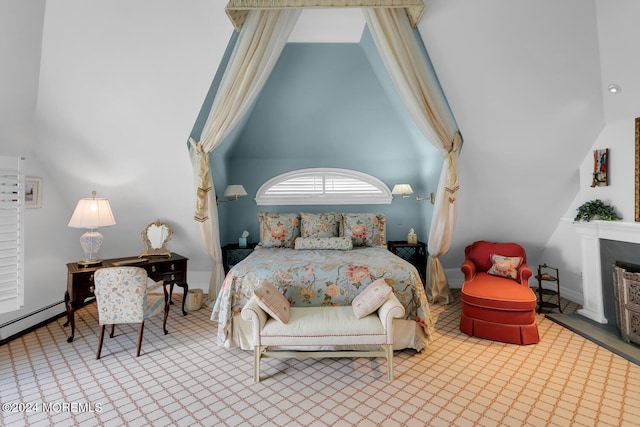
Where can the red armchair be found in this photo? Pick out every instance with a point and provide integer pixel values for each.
(495, 306)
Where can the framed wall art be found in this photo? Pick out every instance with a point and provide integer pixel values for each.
(32, 192)
(600, 168)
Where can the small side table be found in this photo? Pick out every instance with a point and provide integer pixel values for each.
(232, 254)
(414, 253)
(547, 273)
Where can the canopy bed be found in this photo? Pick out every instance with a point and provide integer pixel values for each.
(263, 28)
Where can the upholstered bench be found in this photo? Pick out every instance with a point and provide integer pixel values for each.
(317, 327)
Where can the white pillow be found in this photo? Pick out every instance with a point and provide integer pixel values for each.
(371, 298)
(339, 243)
(272, 301)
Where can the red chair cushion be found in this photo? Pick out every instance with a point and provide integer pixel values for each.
(498, 293)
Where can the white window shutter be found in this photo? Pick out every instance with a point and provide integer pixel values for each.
(323, 186)
(11, 234)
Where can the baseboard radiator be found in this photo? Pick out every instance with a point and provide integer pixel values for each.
(17, 327)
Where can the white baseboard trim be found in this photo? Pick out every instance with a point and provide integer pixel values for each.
(455, 278)
(572, 295)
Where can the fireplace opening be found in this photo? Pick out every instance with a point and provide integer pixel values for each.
(627, 266)
(612, 251)
(611, 241)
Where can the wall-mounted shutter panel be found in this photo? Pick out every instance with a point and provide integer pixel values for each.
(11, 234)
(297, 185)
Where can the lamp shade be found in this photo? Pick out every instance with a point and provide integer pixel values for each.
(235, 191)
(402, 189)
(92, 213)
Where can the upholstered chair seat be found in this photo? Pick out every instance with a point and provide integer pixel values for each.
(123, 296)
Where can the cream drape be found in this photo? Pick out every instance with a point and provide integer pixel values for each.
(259, 45)
(419, 89)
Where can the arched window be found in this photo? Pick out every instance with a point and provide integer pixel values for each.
(323, 186)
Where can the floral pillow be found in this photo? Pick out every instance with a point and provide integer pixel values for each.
(320, 225)
(365, 229)
(504, 266)
(278, 230)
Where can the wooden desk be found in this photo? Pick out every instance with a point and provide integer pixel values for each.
(173, 270)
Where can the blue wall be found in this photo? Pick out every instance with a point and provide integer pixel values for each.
(328, 105)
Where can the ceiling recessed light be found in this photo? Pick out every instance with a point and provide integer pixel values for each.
(613, 88)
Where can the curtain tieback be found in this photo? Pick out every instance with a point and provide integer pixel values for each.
(204, 186)
(197, 147)
(455, 146)
(452, 193)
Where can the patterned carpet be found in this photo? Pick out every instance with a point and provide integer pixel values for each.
(183, 379)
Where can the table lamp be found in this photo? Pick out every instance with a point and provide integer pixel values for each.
(91, 213)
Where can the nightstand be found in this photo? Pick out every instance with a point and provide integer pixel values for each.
(232, 254)
(414, 253)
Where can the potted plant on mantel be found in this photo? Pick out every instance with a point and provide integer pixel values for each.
(596, 209)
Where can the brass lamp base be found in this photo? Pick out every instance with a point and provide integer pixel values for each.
(89, 263)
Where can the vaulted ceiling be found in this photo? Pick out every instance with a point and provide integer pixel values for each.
(525, 81)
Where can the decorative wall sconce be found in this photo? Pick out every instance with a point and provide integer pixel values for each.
(405, 189)
(234, 191)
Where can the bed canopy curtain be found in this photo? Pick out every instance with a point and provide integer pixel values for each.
(264, 35)
(418, 87)
(264, 27)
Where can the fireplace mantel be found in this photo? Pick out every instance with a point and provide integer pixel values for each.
(590, 235)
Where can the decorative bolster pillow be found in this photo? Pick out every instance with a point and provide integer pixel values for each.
(340, 243)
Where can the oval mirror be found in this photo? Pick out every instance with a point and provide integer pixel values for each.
(156, 237)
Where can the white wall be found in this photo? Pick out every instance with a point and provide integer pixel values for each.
(523, 81)
(20, 42)
(616, 29)
(20, 36)
(121, 83)
(115, 88)
(564, 245)
(120, 87)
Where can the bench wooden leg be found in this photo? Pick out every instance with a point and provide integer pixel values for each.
(257, 354)
(388, 349)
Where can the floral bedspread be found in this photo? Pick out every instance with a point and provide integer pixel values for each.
(319, 278)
